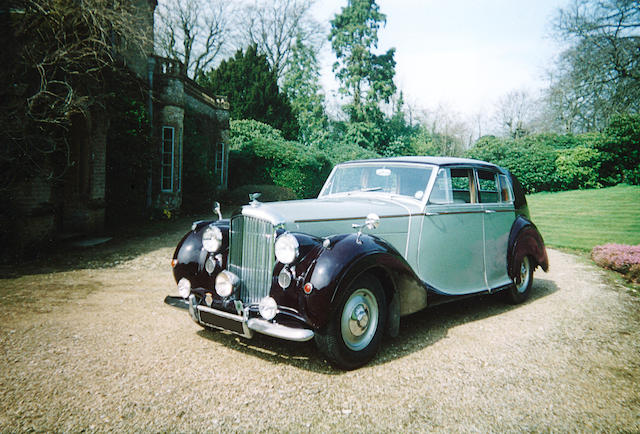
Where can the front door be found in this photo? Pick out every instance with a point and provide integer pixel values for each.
(451, 256)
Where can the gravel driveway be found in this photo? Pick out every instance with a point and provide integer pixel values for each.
(88, 344)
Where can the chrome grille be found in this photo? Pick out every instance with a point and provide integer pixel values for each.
(251, 256)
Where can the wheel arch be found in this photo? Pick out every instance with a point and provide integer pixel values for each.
(349, 260)
(525, 240)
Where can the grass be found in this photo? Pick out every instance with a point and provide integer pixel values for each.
(582, 219)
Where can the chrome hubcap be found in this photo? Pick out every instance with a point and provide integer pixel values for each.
(524, 275)
(359, 320)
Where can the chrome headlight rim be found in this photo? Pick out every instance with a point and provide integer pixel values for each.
(226, 283)
(287, 248)
(212, 238)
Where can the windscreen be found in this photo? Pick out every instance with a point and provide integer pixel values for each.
(404, 180)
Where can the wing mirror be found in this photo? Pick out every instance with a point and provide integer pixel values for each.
(372, 222)
(216, 209)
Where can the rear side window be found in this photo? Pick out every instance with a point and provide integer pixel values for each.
(489, 189)
(506, 195)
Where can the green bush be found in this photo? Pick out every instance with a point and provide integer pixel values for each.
(578, 168)
(548, 162)
(260, 155)
(531, 161)
(622, 148)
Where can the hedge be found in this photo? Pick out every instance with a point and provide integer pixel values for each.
(260, 155)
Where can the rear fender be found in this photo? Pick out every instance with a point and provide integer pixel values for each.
(525, 240)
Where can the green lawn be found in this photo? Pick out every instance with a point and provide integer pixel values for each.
(582, 219)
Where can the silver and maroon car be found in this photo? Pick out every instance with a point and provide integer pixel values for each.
(385, 238)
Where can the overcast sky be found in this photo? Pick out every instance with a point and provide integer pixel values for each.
(461, 53)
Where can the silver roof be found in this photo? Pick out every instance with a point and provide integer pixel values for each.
(439, 161)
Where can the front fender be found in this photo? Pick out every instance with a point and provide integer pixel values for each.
(338, 266)
(189, 256)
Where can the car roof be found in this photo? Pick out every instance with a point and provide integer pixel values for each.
(438, 161)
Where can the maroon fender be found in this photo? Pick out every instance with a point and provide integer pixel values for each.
(189, 256)
(334, 268)
(525, 240)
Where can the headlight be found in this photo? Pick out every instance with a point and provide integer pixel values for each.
(184, 287)
(212, 238)
(268, 308)
(225, 283)
(286, 248)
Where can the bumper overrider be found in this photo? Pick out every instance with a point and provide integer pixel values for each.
(244, 321)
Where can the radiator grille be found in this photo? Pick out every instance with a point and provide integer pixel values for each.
(252, 257)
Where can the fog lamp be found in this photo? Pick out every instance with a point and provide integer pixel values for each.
(210, 265)
(184, 287)
(268, 308)
(284, 278)
(226, 281)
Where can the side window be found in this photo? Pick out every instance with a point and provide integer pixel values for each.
(488, 186)
(506, 195)
(452, 186)
(461, 181)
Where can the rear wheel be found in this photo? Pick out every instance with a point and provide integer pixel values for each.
(519, 292)
(352, 336)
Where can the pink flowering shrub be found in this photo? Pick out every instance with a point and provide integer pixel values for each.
(619, 257)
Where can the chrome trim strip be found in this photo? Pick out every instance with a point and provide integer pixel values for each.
(352, 218)
(280, 331)
(428, 214)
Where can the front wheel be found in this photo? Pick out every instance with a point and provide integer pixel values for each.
(519, 292)
(356, 324)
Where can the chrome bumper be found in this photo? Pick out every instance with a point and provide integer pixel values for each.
(248, 325)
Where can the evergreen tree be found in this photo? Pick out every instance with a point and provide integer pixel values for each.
(252, 89)
(365, 77)
(302, 85)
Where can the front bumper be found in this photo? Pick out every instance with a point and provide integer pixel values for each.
(242, 325)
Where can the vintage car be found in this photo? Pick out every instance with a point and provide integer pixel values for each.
(385, 238)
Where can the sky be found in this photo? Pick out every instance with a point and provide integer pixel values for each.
(461, 54)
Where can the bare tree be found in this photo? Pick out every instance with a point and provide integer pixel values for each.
(515, 113)
(449, 131)
(194, 32)
(275, 26)
(601, 67)
(58, 57)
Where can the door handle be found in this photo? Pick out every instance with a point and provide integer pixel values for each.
(489, 211)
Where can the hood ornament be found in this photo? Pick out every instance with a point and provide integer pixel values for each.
(253, 198)
(372, 222)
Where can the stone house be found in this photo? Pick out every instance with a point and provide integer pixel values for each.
(78, 205)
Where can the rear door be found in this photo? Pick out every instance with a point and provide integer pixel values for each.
(494, 194)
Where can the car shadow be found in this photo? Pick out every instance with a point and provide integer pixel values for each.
(417, 331)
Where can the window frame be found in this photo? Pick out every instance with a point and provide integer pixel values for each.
(219, 162)
(164, 166)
